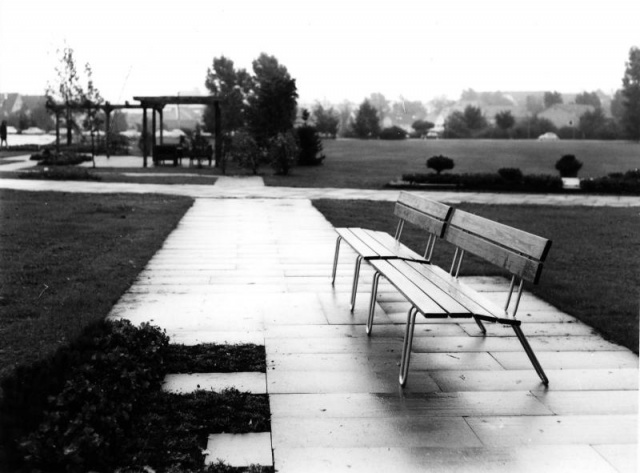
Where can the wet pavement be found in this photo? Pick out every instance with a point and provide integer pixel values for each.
(252, 264)
(259, 271)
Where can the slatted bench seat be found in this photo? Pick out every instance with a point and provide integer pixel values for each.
(434, 292)
(162, 153)
(373, 245)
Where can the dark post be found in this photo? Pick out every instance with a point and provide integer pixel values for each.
(161, 112)
(68, 124)
(144, 136)
(217, 133)
(153, 130)
(107, 109)
(57, 131)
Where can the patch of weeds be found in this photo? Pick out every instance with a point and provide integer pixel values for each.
(210, 358)
(62, 173)
(172, 429)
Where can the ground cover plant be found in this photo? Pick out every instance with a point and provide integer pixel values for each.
(371, 164)
(591, 271)
(209, 358)
(67, 259)
(97, 405)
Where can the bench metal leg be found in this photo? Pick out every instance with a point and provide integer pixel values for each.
(480, 324)
(372, 302)
(531, 354)
(406, 346)
(356, 276)
(335, 261)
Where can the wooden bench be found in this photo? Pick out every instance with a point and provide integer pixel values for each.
(434, 292)
(162, 153)
(371, 245)
(199, 152)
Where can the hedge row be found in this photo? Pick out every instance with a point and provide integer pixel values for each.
(507, 180)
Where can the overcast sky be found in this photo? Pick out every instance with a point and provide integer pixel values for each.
(335, 49)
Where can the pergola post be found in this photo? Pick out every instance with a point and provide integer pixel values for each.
(217, 133)
(153, 129)
(161, 112)
(144, 136)
(57, 132)
(107, 126)
(68, 124)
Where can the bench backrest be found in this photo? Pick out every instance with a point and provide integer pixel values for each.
(519, 252)
(423, 213)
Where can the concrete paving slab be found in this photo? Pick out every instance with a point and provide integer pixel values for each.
(254, 383)
(555, 430)
(624, 458)
(239, 450)
(407, 404)
(569, 359)
(200, 337)
(590, 402)
(529, 459)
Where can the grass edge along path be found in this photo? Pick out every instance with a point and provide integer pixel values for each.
(67, 259)
(590, 273)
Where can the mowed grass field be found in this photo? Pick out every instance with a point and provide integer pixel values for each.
(371, 164)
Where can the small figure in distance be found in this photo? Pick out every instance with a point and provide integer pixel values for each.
(3, 134)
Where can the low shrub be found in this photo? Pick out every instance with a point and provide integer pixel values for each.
(490, 181)
(245, 151)
(64, 158)
(542, 182)
(62, 173)
(393, 133)
(615, 183)
(209, 358)
(310, 146)
(510, 174)
(73, 411)
(282, 152)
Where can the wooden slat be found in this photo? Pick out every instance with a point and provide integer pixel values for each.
(430, 207)
(523, 242)
(356, 243)
(393, 245)
(440, 297)
(408, 289)
(421, 220)
(517, 264)
(365, 236)
(466, 296)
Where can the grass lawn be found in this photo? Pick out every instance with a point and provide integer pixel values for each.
(370, 164)
(591, 271)
(67, 259)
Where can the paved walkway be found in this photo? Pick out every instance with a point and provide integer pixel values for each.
(251, 264)
(240, 270)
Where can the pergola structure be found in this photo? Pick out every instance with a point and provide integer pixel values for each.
(156, 104)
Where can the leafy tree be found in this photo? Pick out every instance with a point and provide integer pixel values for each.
(552, 98)
(505, 120)
(422, 126)
(586, 98)
(440, 163)
(367, 121)
(345, 110)
(474, 118)
(272, 103)
(283, 152)
(412, 108)
(232, 87)
(592, 123)
(67, 88)
(617, 106)
(532, 127)
(456, 125)
(245, 151)
(327, 120)
(381, 104)
(631, 94)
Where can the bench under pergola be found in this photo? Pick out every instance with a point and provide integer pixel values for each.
(156, 104)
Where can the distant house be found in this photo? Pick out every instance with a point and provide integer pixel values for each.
(562, 115)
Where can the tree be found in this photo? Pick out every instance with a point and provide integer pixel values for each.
(422, 127)
(327, 121)
(381, 104)
(592, 123)
(552, 98)
(534, 105)
(67, 88)
(505, 120)
(440, 163)
(474, 118)
(631, 95)
(568, 166)
(232, 87)
(456, 125)
(272, 102)
(586, 98)
(367, 121)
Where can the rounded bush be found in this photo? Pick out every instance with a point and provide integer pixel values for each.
(393, 133)
(440, 163)
(568, 166)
